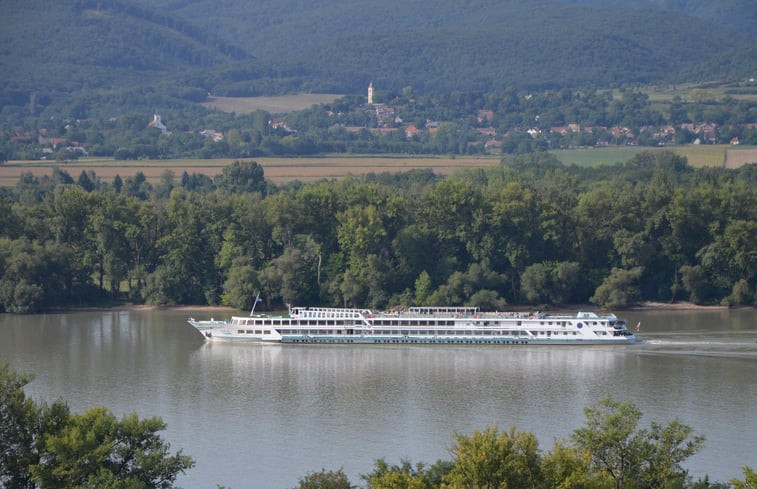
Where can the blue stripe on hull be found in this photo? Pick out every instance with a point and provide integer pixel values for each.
(439, 341)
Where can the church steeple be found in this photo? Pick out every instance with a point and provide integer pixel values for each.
(370, 93)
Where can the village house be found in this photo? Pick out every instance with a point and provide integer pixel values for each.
(493, 146)
(278, 123)
(411, 131)
(485, 115)
(158, 124)
(211, 134)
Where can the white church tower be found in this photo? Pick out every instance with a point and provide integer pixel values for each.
(370, 93)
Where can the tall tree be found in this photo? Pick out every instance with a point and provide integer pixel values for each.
(491, 459)
(628, 454)
(49, 447)
(94, 449)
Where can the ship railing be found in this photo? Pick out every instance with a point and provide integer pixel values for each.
(329, 312)
(451, 310)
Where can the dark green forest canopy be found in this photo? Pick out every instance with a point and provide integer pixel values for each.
(52, 53)
(531, 231)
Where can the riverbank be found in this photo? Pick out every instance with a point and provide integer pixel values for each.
(642, 306)
(675, 306)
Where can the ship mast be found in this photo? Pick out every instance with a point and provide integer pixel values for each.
(257, 299)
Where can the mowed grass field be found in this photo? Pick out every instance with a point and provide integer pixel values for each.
(308, 169)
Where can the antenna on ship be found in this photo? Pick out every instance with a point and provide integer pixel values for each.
(257, 299)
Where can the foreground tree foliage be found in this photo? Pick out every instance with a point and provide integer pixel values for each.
(492, 459)
(610, 451)
(650, 458)
(531, 231)
(47, 446)
(325, 480)
(749, 482)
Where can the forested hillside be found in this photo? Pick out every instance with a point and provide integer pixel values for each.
(74, 55)
(740, 14)
(531, 231)
(53, 52)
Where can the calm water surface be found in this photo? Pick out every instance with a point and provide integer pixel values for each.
(262, 416)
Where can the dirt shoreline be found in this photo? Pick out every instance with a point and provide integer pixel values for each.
(642, 306)
(652, 306)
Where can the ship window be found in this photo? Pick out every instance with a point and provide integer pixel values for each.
(266, 331)
(257, 331)
(240, 331)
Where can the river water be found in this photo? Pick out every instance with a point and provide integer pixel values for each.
(263, 416)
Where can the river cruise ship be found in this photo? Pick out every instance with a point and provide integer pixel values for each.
(419, 325)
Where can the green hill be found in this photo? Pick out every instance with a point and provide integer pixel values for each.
(126, 52)
(737, 14)
(63, 47)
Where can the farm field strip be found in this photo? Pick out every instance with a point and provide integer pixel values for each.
(697, 155)
(277, 169)
(307, 169)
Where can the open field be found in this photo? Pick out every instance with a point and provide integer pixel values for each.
(307, 169)
(697, 92)
(697, 155)
(274, 105)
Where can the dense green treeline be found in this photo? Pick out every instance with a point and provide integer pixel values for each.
(530, 231)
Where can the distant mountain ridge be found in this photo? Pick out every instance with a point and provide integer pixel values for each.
(74, 48)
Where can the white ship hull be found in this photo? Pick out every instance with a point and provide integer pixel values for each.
(419, 326)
